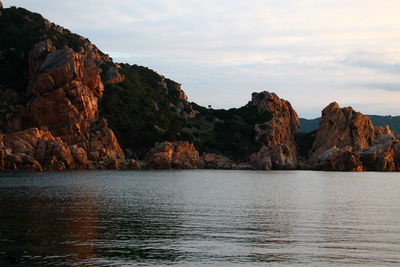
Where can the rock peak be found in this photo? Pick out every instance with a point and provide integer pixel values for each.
(342, 127)
(331, 106)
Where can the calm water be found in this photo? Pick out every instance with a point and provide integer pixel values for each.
(185, 218)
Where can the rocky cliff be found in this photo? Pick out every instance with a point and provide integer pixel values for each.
(59, 88)
(276, 136)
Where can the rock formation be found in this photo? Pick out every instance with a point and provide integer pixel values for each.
(346, 140)
(276, 137)
(340, 159)
(61, 99)
(62, 95)
(383, 156)
(343, 127)
(174, 155)
(213, 161)
(35, 149)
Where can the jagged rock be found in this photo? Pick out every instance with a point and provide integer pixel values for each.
(383, 156)
(21, 161)
(39, 149)
(113, 76)
(342, 127)
(242, 166)
(213, 161)
(1, 5)
(65, 88)
(339, 159)
(131, 164)
(103, 145)
(173, 155)
(183, 108)
(278, 147)
(64, 91)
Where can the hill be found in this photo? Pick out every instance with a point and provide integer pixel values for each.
(309, 125)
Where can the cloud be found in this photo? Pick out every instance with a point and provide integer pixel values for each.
(372, 61)
(394, 87)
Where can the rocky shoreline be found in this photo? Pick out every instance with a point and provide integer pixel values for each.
(57, 112)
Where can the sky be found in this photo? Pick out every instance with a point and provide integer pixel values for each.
(309, 52)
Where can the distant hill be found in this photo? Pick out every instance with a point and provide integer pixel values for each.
(307, 125)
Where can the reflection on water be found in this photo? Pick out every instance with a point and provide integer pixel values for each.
(224, 218)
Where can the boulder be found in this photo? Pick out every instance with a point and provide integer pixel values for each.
(383, 156)
(173, 155)
(339, 159)
(214, 161)
(38, 149)
(103, 145)
(131, 164)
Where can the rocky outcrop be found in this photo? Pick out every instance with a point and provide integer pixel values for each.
(62, 95)
(173, 155)
(214, 161)
(347, 140)
(383, 156)
(103, 147)
(342, 127)
(276, 137)
(113, 76)
(182, 107)
(36, 149)
(340, 159)
(131, 164)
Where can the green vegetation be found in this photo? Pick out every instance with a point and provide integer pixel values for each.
(139, 110)
(304, 143)
(228, 132)
(143, 109)
(142, 112)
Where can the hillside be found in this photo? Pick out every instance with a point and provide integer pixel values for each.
(59, 81)
(309, 125)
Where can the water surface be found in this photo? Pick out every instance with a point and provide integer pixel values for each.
(201, 217)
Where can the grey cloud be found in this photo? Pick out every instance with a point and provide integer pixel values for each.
(393, 87)
(370, 61)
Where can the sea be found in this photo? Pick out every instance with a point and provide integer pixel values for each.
(199, 218)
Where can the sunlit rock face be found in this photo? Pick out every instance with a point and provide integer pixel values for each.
(347, 140)
(174, 155)
(343, 127)
(38, 150)
(276, 136)
(214, 161)
(64, 82)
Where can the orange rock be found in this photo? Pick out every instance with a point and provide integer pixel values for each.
(176, 155)
(278, 147)
(213, 161)
(38, 147)
(340, 159)
(342, 127)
